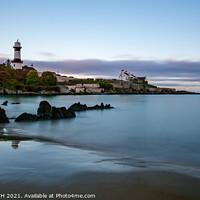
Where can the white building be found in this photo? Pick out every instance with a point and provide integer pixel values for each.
(17, 62)
(126, 76)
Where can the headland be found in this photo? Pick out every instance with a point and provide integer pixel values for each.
(28, 81)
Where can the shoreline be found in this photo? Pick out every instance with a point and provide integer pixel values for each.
(142, 184)
(88, 94)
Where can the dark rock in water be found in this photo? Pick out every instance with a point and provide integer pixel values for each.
(5, 103)
(96, 107)
(3, 117)
(83, 107)
(26, 117)
(56, 113)
(100, 107)
(107, 106)
(44, 110)
(59, 113)
(67, 112)
(16, 103)
(78, 107)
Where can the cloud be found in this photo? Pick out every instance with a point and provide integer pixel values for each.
(3, 58)
(5, 55)
(173, 85)
(125, 57)
(139, 67)
(177, 79)
(48, 54)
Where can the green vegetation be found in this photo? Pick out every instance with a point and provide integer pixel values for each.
(106, 85)
(82, 81)
(26, 79)
(32, 78)
(119, 90)
(12, 84)
(48, 78)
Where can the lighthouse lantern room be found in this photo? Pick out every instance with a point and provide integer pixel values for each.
(17, 62)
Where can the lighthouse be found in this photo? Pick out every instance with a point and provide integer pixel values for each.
(17, 62)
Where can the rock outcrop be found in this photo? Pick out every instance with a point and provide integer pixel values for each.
(16, 103)
(26, 117)
(59, 113)
(46, 111)
(56, 113)
(82, 107)
(3, 117)
(5, 103)
(100, 107)
(78, 107)
(67, 113)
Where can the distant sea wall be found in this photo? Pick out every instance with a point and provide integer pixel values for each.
(118, 88)
(133, 86)
(83, 88)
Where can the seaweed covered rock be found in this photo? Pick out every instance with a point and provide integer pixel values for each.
(3, 117)
(26, 117)
(44, 110)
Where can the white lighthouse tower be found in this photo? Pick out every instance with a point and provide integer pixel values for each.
(17, 62)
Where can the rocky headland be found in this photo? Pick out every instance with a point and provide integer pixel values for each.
(28, 81)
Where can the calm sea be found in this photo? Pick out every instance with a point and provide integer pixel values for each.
(143, 132)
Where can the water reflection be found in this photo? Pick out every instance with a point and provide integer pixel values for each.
(15, 144)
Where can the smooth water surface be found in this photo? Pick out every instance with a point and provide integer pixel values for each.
(142, 131)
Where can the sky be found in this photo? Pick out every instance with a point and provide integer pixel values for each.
(91, 38)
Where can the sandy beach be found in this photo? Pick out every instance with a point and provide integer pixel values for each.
(152, 185)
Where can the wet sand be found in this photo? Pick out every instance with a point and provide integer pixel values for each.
(148, 185)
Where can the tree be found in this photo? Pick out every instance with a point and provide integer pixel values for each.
(32, 78)
(12, 84)
(106, 85)
(4, 77)
(2, 66)
(48, 78)
(10, 70)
